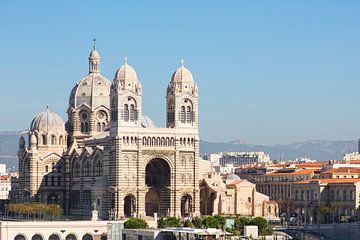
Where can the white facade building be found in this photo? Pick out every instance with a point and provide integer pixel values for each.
(244, 158)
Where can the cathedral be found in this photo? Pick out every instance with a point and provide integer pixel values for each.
(112, 157)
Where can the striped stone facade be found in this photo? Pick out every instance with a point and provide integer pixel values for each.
(116, 160)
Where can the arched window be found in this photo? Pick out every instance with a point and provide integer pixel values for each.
(99, 127)
(46, 168)
(188, 114)
(87, 168)
(54, 237)
(43, 138)
(76, 169)
(126, 113)
(46, 180)
(182, 114)
(61, 140)
(19, 237)
(53, 140)
(132, 113)
(97, 167)
(84, 122)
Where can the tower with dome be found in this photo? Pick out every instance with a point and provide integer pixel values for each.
(110, 154)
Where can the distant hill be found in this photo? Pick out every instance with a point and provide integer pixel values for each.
(9, 143)
(314, 149)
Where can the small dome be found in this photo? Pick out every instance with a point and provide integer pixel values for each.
(22, 142)
(126, 73)
(232, 177)
(94, 54)
(182, 74)
(146, 122)
(47, 121)
(33, 140)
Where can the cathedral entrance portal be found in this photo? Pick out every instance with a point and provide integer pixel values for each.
(157, 179)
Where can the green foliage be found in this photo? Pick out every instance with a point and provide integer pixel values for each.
(169, 222)
(211, 222)
(188, 223)
(263, 225)
(221, 221)
(197, 222)
(34, 210)
(241, 222)
(233, 231)
(135, 223)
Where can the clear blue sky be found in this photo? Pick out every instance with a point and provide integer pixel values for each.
(268, 72)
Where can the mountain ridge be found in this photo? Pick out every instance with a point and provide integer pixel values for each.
(315, 149)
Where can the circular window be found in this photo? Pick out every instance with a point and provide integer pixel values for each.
(84, 115)
(101, 115)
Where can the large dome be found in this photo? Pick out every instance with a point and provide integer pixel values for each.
(47, 121)
(93, 90)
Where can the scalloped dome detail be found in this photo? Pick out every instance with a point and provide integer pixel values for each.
(182, 74)
(126, 73)
(47, 121)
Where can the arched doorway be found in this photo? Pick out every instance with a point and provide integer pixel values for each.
(52, 198)
(129, 205)
(157, 179)
(152, 202)
(37, 237)
(87, 237)
(54, 237)
(71, 237)
(186, 205)
(157, 173)
(19, 237)
(211, 203)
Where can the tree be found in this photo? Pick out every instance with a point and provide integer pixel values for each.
(188, 223)
(135, 223)
(221, 221)
(241, 222)
(263, 225)
(169, 222)
(211, 222)
(197, 222)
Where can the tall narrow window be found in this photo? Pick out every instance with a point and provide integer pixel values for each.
(132, 113)
(188, 115)
(52, 180)
(99, 127)
(43, 138)
(182, 114)
(53, 140)
(59, 180)
(46, 180)
(126, 113)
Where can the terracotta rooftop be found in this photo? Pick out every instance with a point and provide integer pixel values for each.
(343, 170)
(297, 172)
(330, 180)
